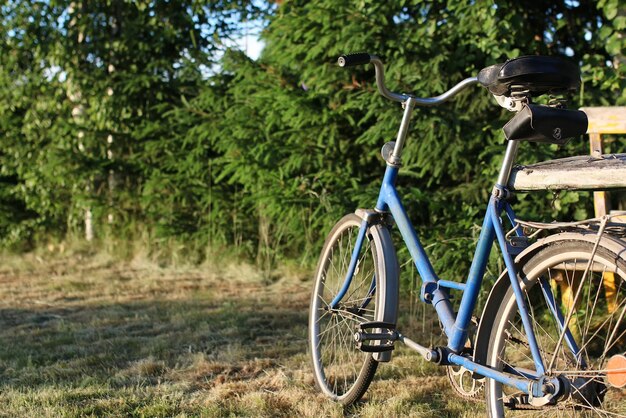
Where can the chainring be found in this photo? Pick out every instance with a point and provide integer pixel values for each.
(461, 379)
(464, 383)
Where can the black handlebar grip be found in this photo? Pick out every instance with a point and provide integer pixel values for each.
(350, 60)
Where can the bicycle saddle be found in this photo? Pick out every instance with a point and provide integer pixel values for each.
(536, 74)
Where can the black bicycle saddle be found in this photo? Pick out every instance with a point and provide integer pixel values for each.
(537, 74)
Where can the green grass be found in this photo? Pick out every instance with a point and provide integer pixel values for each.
(85, 335)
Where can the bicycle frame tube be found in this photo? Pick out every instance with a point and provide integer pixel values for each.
(455, 326)
(388, 200)
(494, 214)
(456, 341)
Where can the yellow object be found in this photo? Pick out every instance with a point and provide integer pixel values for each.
(610, 291)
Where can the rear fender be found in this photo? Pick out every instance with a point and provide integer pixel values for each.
(501, 286)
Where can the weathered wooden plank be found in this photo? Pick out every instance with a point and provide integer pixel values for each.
(572, 173)
(606, 120)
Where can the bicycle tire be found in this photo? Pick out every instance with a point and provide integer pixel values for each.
(598, 326)
(341, 371)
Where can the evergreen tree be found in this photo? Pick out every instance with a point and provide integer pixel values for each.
(84, 88)
(302, 136)
(125, 109)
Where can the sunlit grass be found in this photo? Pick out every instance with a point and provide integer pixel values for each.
(85, 335)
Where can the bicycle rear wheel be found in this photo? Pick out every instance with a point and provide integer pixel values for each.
(342, 372)
(597, 325)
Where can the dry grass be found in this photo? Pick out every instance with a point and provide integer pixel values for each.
(85, 335)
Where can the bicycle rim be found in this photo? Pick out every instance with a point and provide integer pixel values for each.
(343, 372)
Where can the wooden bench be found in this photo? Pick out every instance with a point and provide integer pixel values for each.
(595, 172)
(583, 172)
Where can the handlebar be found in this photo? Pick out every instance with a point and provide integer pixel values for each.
(350, 60)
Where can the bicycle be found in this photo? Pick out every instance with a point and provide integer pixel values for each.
(534, 352)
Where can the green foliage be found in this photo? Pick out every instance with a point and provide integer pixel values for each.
(217, 150)
(84, 85)
(454, 150)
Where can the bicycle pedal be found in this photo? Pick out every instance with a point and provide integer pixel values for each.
(376, 324)
(375, 337)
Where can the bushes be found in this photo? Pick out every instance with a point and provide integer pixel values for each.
(265, 155)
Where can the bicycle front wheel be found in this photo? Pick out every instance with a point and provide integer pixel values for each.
(342, 372)
(595, 294)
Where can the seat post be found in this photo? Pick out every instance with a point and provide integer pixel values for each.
(507, 163)
(396, 156)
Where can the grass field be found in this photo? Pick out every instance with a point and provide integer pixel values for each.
(86, 335)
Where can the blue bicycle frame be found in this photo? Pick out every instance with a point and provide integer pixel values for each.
(436, 291)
